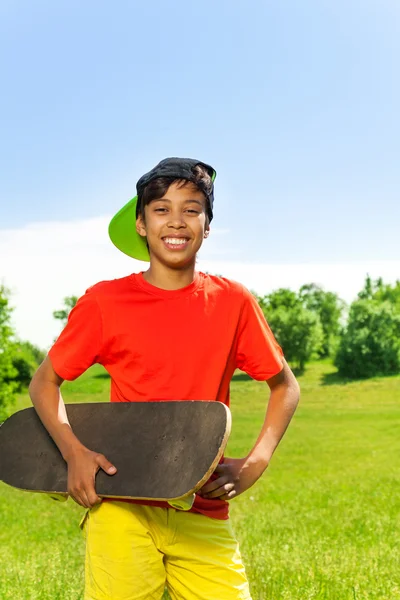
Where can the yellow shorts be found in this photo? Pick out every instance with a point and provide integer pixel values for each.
(133, 552)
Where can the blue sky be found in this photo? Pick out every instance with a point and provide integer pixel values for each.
(296, 105)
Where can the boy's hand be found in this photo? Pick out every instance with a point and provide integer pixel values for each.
(83, 465)
(236, 475)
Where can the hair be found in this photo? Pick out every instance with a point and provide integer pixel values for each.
(157, 188)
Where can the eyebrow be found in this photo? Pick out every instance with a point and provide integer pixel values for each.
(185, 201)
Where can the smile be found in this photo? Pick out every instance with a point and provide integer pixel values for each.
(175, 242)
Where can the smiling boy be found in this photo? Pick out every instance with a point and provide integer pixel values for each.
(164, 334)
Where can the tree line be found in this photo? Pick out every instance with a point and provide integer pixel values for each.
(362, 340)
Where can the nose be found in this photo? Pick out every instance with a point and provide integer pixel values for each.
(177, 220)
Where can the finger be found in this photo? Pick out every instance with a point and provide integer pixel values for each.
(86, 495)
(221, 468)
(232, 494)
(76, 497)
(81, 495)
(229, 495)
(221, 491)
(213, 485)
(90, 492)
(92, 496)
(105, 464)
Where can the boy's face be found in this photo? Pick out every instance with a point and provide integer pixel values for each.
(175, 225)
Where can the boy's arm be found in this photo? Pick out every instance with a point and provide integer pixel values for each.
(83, 464)
(237, 475)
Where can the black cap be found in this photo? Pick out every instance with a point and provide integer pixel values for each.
(181, 168)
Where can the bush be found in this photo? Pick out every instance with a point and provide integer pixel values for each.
(8, 386)
(305, 323)
(329, 307)
(297, 330)
(26, 358)
(18, 360)
(370, 344)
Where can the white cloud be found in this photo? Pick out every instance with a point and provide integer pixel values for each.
(345, 279)
(44, 262)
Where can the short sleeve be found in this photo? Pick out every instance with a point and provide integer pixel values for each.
(79, 344)
(258, 353)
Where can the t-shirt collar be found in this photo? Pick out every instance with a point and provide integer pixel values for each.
(140, 281)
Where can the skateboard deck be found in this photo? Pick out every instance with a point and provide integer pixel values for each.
(162, 450)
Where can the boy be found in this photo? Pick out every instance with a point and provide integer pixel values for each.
(165, 334)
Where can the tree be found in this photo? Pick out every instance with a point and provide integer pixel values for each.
(329, 307)
(297, 329)
(8, 372)
(18, 360)
(370, 344)
(381, 292)
(281, 298)
(26, 358)
(368, 290)
(62, 315)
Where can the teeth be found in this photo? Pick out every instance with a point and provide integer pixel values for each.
(177, 241)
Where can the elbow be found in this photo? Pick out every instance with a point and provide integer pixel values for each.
(292, 382)
(293, 389)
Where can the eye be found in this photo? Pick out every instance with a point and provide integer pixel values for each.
(160, 209)
(193, 211)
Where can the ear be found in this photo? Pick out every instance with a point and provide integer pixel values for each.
(140, 226)
(206, 233)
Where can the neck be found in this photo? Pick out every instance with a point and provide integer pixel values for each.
(168, 278)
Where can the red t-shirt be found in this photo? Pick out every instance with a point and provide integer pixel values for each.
(169, 344)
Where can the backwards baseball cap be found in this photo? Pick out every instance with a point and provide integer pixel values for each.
(122, 228)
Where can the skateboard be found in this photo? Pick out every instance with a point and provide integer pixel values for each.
(163, 450)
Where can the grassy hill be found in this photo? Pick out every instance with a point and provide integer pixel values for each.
(322, 523)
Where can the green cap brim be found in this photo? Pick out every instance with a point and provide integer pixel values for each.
(123, 234)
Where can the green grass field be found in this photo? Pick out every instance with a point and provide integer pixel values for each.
(322, 523)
